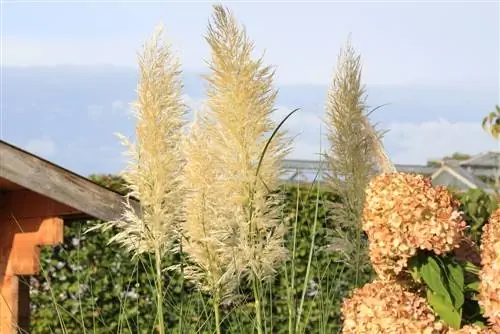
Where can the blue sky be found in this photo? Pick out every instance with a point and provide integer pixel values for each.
(436, 63)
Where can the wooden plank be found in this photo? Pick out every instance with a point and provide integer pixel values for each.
(45, 231)
(7, 185)
(9, 303)
(5, 247)
(24, 257)
(22, 204)
(63, 186)
(20, 256)
(20, 241)
(51, 231)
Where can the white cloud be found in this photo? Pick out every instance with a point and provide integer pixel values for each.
(415, 143)
(38, 52)
(44, 147)
(406, 143)
(306, 150)
(300, 121)
(306, 129)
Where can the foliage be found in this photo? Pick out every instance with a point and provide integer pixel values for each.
(438, 261)
(98, 288)
(491, 123)
(455, 156)
(330, 279)
(450, 287)
(477, 206)
(444, 281)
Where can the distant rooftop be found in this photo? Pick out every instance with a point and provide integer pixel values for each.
(484, 160)
(450, 172)
(315, 166)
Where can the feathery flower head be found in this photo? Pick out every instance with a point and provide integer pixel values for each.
(207, 254)
(489, 288)
(154, 171)
(384, 306)
(355, 147)
(241, 102)
(233, 226)
(403, 213)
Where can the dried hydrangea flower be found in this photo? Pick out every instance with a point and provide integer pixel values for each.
(403, 213)
(387, 307)
(489, 288)
(472, 329)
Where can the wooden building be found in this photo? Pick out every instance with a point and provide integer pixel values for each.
(36, 199)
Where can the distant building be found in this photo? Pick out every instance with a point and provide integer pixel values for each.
(461, 175)
(470, 173)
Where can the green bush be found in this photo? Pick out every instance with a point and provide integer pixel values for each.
(477, 206)
(87, 285)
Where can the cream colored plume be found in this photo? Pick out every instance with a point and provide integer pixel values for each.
(156, 161)
(233, 226)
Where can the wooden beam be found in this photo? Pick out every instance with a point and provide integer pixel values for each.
(20, 243)
(9, 303)
(24, 257)
(22, 204)
(63, 186)
(20, 255)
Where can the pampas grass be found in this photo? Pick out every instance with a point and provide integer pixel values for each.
(233, 228)
(356, 152)
(156, 161)
(211, 194)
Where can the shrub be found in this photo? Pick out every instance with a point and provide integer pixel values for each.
(420, 252)
(87, 285)
(95, 286)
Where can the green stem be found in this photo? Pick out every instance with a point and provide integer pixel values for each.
(309, 261)
(216, 306)
(182, 288)
(291, 296)
(159, 292)
(471, 268)
(258, 314)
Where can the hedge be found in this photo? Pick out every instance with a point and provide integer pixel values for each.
(87, 285)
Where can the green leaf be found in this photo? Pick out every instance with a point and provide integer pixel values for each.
(475, 195)
(473, 286)
(471, 268)
(472, 207)
(455, 276)
(479, 324)
(433, 274)
(444, 309)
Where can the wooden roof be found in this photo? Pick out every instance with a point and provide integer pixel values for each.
(22, 170)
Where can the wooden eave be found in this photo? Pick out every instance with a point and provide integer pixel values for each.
(87, 199)
(36, 199)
